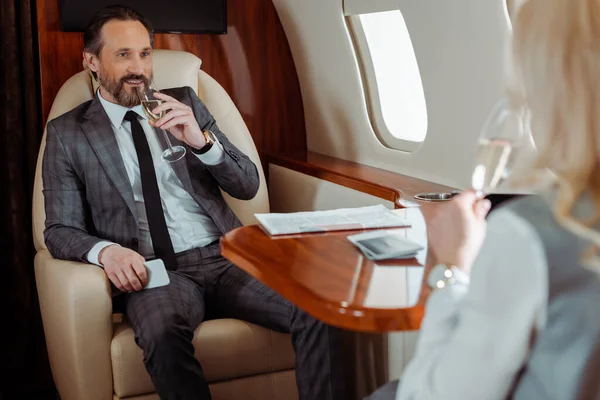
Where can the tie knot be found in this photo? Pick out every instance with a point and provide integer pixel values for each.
(131, 116)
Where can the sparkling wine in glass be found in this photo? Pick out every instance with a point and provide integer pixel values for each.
(149, 103)
(501, 138)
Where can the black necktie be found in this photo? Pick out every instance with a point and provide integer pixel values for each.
(161, 241)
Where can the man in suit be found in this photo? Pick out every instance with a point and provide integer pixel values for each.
(111, 201)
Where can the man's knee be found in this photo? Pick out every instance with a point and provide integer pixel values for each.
(170, 333)
(305, 324)
(301, 319)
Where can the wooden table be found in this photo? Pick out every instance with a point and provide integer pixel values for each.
(325, 275)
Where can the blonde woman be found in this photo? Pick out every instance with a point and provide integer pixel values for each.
(521, 318)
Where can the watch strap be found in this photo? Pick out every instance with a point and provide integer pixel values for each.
(210, 141)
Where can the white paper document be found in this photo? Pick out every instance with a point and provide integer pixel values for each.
(334, 220)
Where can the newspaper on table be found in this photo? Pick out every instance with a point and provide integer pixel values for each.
(333, 220)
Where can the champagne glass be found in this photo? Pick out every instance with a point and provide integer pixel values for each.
(149, 103)
(499, 143)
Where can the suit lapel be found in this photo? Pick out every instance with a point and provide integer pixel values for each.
(98, 130)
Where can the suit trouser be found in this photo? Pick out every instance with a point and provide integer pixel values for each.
(164, 320)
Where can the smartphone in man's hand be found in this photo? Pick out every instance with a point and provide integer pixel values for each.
(157, 274)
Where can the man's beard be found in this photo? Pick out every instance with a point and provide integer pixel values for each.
(116, 88)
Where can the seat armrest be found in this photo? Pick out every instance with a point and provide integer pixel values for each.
(76, 307)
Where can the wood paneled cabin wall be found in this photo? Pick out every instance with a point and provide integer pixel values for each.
(252, 62)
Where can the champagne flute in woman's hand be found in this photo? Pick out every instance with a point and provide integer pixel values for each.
(499, 143)
(149, 103)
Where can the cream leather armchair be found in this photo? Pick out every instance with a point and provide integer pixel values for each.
(92, 352)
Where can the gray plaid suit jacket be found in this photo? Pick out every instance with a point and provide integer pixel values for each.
(88, 196)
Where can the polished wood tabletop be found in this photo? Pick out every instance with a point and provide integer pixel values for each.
(328, 277)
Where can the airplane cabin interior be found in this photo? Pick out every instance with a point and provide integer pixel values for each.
(327, 122)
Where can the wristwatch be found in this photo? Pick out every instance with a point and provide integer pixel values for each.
(442, 275)
(210, 141)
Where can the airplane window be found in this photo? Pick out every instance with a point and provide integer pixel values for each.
(391, 75)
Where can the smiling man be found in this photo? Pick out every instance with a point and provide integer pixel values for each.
(111, 201)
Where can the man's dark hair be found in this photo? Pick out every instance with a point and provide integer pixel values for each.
(92, 36)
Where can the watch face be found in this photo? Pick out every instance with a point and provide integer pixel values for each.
(438, 277)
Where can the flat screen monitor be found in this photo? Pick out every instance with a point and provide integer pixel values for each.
(170, 16)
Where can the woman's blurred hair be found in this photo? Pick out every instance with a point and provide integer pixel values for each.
(556, 50)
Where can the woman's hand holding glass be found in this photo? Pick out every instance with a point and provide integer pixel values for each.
(456, 229)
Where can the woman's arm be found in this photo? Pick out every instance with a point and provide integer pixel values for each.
(475, 337)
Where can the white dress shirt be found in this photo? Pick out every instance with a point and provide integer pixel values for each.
(475, 336)
(188, 226)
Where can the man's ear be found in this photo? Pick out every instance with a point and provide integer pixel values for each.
(92, 62)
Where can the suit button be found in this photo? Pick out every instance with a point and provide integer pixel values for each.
(234, 155)
(134, 242)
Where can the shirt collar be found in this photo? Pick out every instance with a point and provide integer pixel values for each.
(116, 112)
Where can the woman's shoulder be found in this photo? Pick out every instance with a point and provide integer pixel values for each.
(521, 219)
(508, 225)
(513, 251)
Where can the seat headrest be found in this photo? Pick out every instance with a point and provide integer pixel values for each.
(171, 68)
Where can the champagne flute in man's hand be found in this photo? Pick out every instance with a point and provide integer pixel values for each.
(499, 143)
(149, 103)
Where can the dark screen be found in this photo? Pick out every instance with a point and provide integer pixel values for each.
(192, 16)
